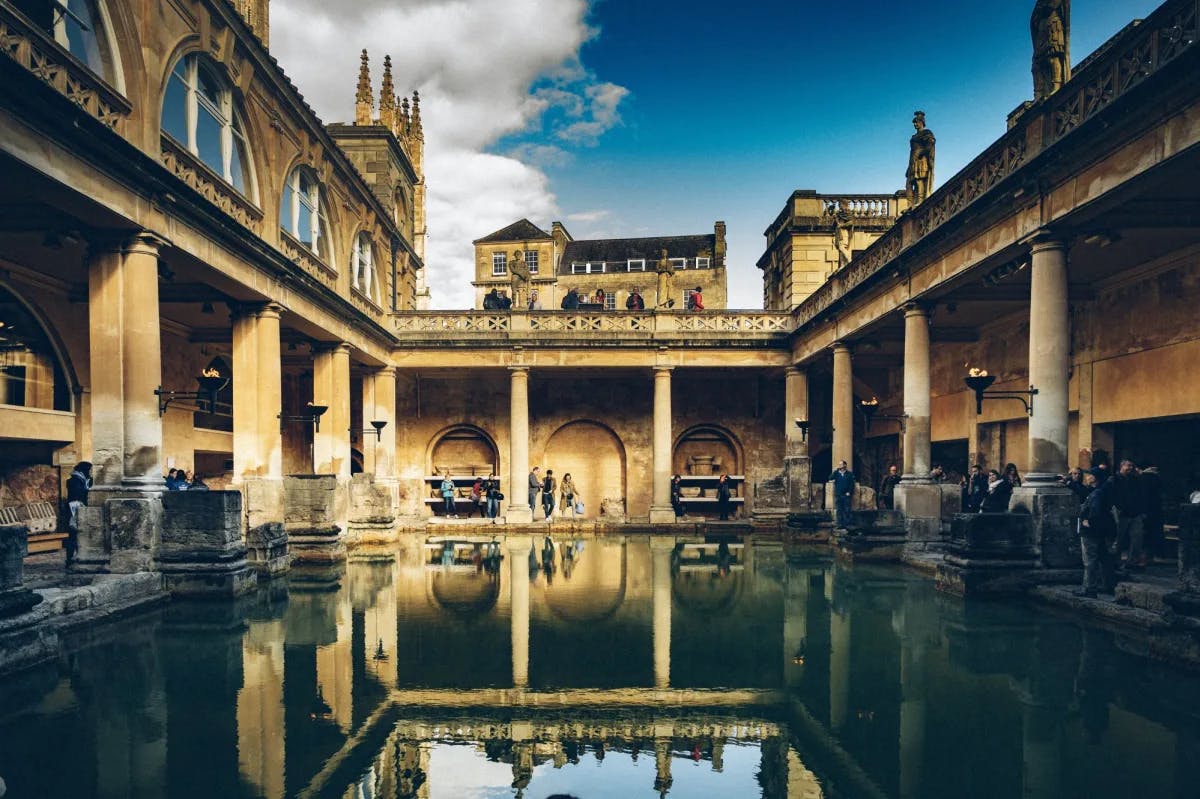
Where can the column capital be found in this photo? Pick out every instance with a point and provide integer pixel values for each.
(519, 369)
(841, 346)
(383, 371)
(915, 309)
(795, 370)
(663, 369)
(145, 242)
(333, 347)
(1044, 239)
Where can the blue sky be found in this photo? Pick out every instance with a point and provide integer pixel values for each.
(650, 117)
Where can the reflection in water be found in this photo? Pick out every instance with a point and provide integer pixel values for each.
(620, 666)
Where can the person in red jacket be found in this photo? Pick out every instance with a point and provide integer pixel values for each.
(695, 300)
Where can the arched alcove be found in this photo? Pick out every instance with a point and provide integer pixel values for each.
(463, 449)
(706, 450)
(596, 588)
(32, 372)
(594, 457)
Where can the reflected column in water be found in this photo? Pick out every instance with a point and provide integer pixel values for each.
(839, 665)
(260, 709)
(912, 698)
(662, 765)
(660, 550)
(795, 626)
(517, 549)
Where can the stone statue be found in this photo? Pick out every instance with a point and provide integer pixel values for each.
(843, 233)
(919, 177)
(518, 275)
(1050, 27)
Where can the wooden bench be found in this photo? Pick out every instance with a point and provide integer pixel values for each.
(41, 519)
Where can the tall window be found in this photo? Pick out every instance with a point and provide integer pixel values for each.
(198, 112)
(362, 267)
(610, 301)
(303, 214)
(72, 23)
(531, 261)
(499, 263)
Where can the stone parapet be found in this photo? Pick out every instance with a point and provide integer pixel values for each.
(118, 531)
(201, 552)
(310, 518)
(988, 553)
(24, 638)
(267, 549)
(1054, 511)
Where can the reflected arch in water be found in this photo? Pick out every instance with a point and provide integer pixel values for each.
(463, 449)
(462, 591)
(703, 593)
(596, 589)
(594, 457)
(707, 449)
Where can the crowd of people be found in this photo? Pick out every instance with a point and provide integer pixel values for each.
(498, 300)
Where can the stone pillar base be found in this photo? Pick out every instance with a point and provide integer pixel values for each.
(25, 638)
(660, 515)
(921, 504)
(262, 501)
(267, 550)
(312, 506)
(988, 554)
(201, 551)
(518, 514)
(372, 510)
(118, 531)
(1054, 510)
(797, 477)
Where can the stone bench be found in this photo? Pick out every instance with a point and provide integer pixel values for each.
(41, 519)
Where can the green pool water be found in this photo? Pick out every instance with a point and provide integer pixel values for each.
(630, 668)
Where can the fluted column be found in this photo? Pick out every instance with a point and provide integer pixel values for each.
(917, 428)
(1049, 360)
(660, 509)
(518, 510)
(660, 553)
(517, 552)
(843, 406)
(331, 388)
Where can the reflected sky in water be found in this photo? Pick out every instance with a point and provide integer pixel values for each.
(615, 667)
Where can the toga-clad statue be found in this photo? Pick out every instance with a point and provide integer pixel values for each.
(518, 275)
(919, 177)
(1050, 27)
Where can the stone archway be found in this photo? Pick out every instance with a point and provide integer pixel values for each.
(463, 449)
(595, 458)
(707, 449)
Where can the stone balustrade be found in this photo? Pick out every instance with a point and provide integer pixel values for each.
(860, 206)
(504, 326)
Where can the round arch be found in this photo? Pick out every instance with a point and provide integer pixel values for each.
(463, 593)
(592, 453)
(462, 447)
(596, 590)
(32, 344)
(707, 446)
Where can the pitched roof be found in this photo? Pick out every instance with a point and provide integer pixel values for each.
(647, 248)
(521, 230)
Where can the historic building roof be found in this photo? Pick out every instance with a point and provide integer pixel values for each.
(649, 249)
(521, 230)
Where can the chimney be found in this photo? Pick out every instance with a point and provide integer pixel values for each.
(719, 250)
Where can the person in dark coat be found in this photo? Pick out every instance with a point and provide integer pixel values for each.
(677, 495)
(1074, 482)
(974, 489)
(887, 488)
(1127, 498)
(843, 493)
(635, 301)
(491, 300)
(723, 494)
(570, 301)
(999, 492)
(1096, 531)
(78, 485)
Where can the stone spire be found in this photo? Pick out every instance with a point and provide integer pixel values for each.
(364, 100)
(387, 96)
(417, 133)
(404, 119)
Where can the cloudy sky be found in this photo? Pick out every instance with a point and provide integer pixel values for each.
(658, 117)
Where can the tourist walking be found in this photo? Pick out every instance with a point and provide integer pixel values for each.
(447, 489)
(78, 485)
(1096, 532)
(999, 492)
(548, 486)
(677, 495)
(491, 493)
(1127, 498)
(887, 488)
(535, 488)
(724, 493)
(567, 496)
(635, 302)
(843, 493)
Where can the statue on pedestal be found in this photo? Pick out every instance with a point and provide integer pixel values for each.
(919, 177)
(1050, 27)
(665, 270)
(518, 274)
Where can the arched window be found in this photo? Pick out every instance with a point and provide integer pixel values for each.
(302, 213)
(199, 112)
(362, 267)
(73, 24)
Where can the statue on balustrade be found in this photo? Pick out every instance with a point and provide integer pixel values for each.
(919, 177)
(518, 274)
(843, 233)
(1050, 27)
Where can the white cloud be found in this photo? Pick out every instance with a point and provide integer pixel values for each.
(589, 216)
(476, 63)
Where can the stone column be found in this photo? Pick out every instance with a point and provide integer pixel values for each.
(661, 511)
(843, 406)
(331, 388)
(919, 499)
(518, 510)
(660, 553)
(797, 467)
(257, 402)
(517, 551)
(1052, 506)
(1049, 360)
(268, 384)
(382, 407)
(105, 262)
(247, 448)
